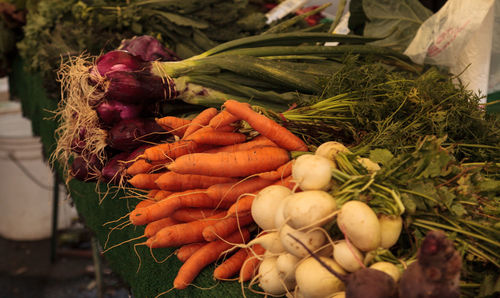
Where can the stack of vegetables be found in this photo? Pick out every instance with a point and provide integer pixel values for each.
(212, 195)
(195, 186)
(376, 101)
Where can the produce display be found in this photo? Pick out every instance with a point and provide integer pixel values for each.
(273, 156)
(255, 159)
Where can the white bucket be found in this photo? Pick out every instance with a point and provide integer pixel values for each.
(26, 183)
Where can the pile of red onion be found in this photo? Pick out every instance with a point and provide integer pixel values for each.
(128, 109)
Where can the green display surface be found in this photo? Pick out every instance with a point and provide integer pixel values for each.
(150, 278)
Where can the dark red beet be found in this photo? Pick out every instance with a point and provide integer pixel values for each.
(148, 48)
(135, 87)
(129, 134)
(436, 272)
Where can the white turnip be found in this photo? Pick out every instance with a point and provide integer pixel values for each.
(362, 283)
(286, 265)
(312, 172)
(314, 280)
(265, 205)
(270, 241)
(390, 229)
(349, 258)
(279, 217)
(309, 209)
(314, 239)
(269, 278)
(388, 268)
(331, 149)
(360, 225)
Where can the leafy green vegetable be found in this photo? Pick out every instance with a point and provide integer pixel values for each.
(397, 20)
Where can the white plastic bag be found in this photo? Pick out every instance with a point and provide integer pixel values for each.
(458, 36)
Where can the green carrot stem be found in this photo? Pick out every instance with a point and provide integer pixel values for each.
(420, 195)
(478, 252)
(472, 223)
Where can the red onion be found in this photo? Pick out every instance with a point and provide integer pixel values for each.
(115, 168)
(135, 87)
(148, 48)
(78, 143)
(129, 134)
(118, 61)
(113, 111)
(86, 169)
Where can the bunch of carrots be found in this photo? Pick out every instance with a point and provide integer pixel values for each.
(200, 188)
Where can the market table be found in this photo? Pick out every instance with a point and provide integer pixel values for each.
(146, 277)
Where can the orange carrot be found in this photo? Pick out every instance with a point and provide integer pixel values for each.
(282, 172)
(202, 119)
(235, 164)
(145, 181)
(249, 267)
(215, 137)
(142, 166)
(176, 182)
(258, 141)
(144, 203)
(191, 214)
(152, 193)
(187, 250)
(162, 194)
(226, 226)
(174, 125)
(139, 166)
(170, 151)
(229, 192)
(205, 256)
(242, 205)
(190, 198)
(232, 265)
(183, 233)
(222, 119)
(266, 126)
(153, 227)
